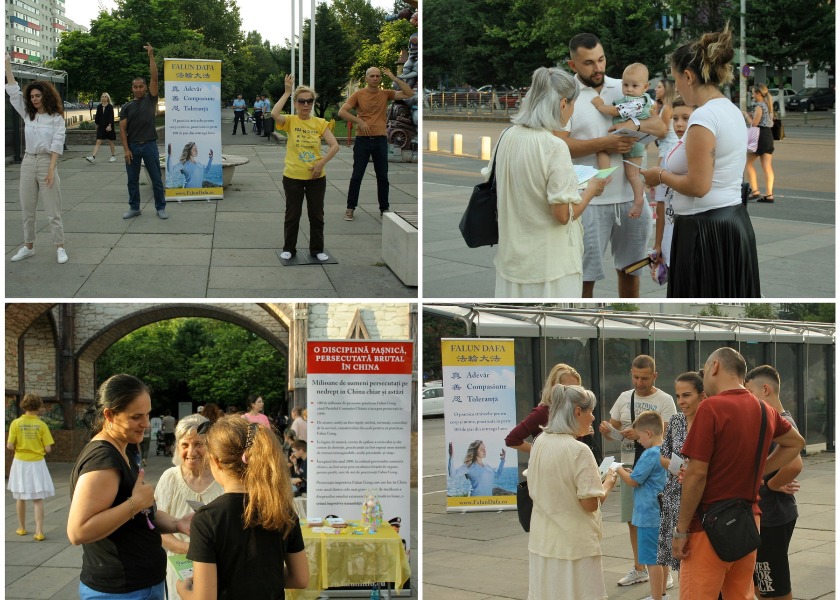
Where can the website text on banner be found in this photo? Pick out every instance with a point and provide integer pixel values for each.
(359, 429)
(193, 154)
(479, 403)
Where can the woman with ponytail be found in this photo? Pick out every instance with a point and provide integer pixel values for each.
(713, 253)
(252, 527)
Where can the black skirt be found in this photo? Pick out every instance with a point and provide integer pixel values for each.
(765, 141)
(713, 255)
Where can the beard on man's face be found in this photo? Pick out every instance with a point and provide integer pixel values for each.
(594, 80)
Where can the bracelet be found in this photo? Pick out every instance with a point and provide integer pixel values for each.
(131, 506)
(680, 536)
(660, 176)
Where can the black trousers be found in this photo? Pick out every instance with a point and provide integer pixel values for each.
(258, 121)
(239, 117)
(296, 190)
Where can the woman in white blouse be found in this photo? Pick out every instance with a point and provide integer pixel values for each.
(563, 481)
(713, 253)
(189, 480)
(42, 111)
(540, 251)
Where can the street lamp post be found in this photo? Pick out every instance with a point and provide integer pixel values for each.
(743, 87)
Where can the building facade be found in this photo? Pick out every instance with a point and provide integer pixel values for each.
(34, 28)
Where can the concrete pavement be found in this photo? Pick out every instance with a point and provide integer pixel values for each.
(49, 570)
(222, 248)
(795, 236)
(484, 556)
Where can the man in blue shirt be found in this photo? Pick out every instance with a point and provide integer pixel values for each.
(239, 114)
(258, 114)
(139, 140)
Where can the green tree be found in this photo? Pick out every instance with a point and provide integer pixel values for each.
(711, 310)
(701, 16)
(359, 20)
(393, 39)
(820, 313)
(449, 27)
(760, 311)
(436, 328)
(218, 22)
(625, 307)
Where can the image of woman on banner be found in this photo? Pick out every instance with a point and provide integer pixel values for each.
(187, 172)
(481, 478)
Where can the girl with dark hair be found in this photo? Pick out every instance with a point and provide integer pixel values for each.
(254, 407)
(254, 521)
(713, 254)
(29, 478)
(688, 389)
(112, 509)
(42, 112)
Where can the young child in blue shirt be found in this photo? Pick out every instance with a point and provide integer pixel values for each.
(648, 477)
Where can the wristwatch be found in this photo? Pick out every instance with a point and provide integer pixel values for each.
(680, 536)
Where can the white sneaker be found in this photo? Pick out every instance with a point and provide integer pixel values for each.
(90, 159)
(664, 597)
(112, 159)
(24, 252)
(62, 256)
(285, 255)
(670, 583)
(634, 576)
(322, 257)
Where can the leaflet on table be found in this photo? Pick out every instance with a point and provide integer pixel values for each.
(183, 566)
(584, 173)
(639, 136)
(676, 464)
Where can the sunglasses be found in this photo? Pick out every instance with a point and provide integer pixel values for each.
(306, 100)
(204, 427)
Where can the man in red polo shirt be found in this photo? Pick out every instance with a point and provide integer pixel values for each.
(721, 449)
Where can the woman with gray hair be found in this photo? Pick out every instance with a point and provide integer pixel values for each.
(190, 480)
(565, 485)
(540, 251)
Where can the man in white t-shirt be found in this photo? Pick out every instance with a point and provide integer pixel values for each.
(606, 219)
(644, 396)
(298, 423)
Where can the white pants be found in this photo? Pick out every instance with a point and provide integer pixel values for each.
(33, 186)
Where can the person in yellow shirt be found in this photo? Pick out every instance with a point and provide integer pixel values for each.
(304, 174)
(29, 478)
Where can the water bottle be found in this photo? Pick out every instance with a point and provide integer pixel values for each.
(374, 592)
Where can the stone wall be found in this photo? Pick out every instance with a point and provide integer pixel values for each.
(383, 321)
(40, 359)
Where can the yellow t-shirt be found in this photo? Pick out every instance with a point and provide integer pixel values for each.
(29, 434)
(303, 146)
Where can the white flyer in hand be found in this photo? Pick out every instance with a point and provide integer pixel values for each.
(676, 464)
(613, 433)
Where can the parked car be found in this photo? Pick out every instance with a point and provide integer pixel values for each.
(433, 399)
(788, 93)
(513, 98)
(811, 99)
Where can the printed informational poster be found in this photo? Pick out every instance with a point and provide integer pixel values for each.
(359, 430)
(479, 403)
(193, 154)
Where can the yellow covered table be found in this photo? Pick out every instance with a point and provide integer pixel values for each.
(337, 560)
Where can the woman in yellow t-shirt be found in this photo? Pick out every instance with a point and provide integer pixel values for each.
(304, 174)
(29, 478)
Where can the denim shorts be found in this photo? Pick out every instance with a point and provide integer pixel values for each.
(156, 592)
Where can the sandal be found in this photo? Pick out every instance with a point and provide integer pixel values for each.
(38, 537)
(768, 199)
(755, 196)
(20, 531)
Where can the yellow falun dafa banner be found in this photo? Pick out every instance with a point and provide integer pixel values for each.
(479, 410)
(193, 146)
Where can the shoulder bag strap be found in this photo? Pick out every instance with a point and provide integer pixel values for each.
(492, 179)
(760, 444)
(632, 407)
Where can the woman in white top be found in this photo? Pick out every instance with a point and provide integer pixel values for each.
(540, 251)
(564, 483)
(42, 111)
(189, 480)
(713, 253)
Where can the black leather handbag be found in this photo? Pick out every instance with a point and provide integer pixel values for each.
(480, 224)
(778, 130)
(524, 505)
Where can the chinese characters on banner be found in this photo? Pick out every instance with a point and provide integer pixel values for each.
(479, 403)
(359, 429)
(193, 155)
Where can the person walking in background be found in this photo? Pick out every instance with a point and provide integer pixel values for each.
(371, 106)
(539, 206)
(167, 428)
(246, 543)
(29, 477)
(144, 445)
(190, 480)
(688, 389)
(44, 131)
(254, 406)
(644, 396)
(239, 109)
(139, 140)
(648, 480)
(713, 253)
(564, 549)
(762, 117)
(607, 221)
(777, 501)
(720, 449)
(104, 120)
(304, 176)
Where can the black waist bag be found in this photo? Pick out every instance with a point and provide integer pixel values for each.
(730, 526)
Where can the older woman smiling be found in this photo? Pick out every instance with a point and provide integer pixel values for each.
(189, 480)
